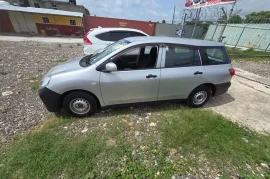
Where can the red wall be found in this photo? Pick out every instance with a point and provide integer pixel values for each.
(52, 29)
(94, 22)
(5, 23)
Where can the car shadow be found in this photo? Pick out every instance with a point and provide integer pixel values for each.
(136, 109)
(219, 100)
(143, 109)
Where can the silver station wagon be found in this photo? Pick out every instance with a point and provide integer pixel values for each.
(136, 70)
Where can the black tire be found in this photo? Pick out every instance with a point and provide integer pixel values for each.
(201, 90)
(82, 99)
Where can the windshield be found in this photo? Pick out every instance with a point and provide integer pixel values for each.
(108, 50)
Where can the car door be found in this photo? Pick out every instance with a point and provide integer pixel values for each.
(181, 72)
(131, 84)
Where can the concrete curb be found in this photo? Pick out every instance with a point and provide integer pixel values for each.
(252, 77)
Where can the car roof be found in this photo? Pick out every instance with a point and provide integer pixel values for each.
(174, 40)
(116, 29)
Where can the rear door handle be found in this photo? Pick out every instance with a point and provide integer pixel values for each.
(151, 76)
(198, 73)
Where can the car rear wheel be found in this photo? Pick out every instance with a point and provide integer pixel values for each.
(80, 104)
(199, 96)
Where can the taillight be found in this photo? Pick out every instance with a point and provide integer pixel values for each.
(232, 72)
(86, 40)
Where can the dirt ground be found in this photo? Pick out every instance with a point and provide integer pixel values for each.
(22, 64)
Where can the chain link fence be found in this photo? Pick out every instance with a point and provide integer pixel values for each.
(247, 39)
(244, 41)
(246, 36)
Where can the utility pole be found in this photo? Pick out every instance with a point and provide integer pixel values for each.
(173, 15)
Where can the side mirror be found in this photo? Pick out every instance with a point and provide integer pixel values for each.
(110, 67)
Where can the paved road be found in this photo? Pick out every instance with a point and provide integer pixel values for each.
(41, 39)
(247, 101)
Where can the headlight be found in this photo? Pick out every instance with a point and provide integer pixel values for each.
(45, 82)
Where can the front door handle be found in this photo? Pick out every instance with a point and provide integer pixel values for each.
(151, 76)
(198, 73)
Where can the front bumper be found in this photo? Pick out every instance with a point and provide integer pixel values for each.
(50, 99)
(222, 88)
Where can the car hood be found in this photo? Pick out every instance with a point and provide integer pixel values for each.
(71, 65)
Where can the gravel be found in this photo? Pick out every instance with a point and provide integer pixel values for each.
(20, 62)
(259, 68)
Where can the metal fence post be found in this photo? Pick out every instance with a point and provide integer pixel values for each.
(214, 32)
(198, 11)
(227, 21)
(267, 47)
(239, 37)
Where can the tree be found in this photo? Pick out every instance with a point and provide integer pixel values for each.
(258, 17)
(163, 21)
(236, 19)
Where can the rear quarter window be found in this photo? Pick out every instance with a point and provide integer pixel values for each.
(104, 36)
(136, 34)
(118, 35)
(214, 56)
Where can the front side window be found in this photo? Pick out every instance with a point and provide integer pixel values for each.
(138, 58)
(45, 20)
(108, 50)
(181, 57)
(214, 56)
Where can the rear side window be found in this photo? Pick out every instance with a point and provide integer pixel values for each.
(214, 56)
(136, 34)
(104, 36)
(181, 57)
(118, 35)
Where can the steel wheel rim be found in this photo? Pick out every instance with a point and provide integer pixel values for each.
(200, 97)
(80, 106)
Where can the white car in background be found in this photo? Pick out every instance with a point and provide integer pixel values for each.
(99, 38)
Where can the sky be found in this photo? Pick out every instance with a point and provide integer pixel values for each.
(155, 10)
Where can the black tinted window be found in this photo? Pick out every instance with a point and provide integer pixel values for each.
(144, 57)
(104, 36)
(181, 57)
(136, 34)
(118, 35)
(214, 56)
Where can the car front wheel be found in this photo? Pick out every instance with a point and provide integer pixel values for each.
(80, 104)
(199, 96)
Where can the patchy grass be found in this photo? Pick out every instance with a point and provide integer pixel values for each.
(250, 51)
(248, 55)
(61, 60)
(79, 44)
(122, 143)
(34, 83)
(59, 45)
(70, 46)
(222, 142)
(47, 153)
